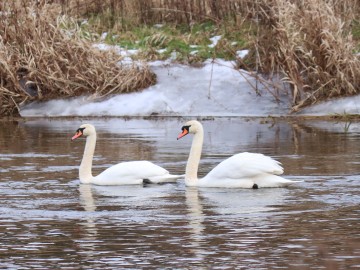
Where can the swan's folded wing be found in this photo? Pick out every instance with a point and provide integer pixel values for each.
(246, 165)
(131, 172)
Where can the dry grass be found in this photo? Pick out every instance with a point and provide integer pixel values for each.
(307, 42)
(39, 59)
(151, 11)
(310, 44)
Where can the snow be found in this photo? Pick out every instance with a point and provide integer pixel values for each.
(214, 41)
(242, 53)
(117, 49)
(215, 89)
(340, 106)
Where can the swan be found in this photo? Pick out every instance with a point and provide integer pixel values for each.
(125, 173)
(243, 170)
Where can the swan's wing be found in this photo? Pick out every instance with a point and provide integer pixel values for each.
(246, 165)
(132, 172)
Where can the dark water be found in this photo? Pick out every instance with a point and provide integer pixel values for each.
(48, 220)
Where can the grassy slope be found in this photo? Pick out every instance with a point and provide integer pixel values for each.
(191, 43)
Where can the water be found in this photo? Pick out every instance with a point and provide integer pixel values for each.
(48, 220)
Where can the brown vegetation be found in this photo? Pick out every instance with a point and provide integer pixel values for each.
(308, 42)
(39, 59)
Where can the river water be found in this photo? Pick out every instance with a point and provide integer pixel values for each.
(48, 220)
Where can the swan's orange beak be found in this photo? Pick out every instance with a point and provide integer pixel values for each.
(183, 133)
(77, 135)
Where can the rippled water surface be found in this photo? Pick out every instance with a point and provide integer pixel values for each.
(48, 220)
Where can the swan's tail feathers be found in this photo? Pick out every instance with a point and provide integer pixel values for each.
(295, 181)
(290, 182)
(168, 178)
(278, 171)
(270, 180)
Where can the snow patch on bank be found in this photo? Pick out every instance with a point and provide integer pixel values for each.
(216, 89)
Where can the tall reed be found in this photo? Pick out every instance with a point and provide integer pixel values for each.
(311, 45)
(40, 58)
(307, 42)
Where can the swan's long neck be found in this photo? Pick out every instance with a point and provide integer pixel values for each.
(194, 158)
(85, 174)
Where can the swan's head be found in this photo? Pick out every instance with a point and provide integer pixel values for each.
(84, 130)
(192, 126)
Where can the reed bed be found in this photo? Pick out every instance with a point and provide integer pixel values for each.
(307, 42)
(41, 58)
(187, 11)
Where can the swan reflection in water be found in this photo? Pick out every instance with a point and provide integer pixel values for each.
(204, 210)
(129, 204)
(87, 202)
(225, 207)
(244, 202)
(196, 219)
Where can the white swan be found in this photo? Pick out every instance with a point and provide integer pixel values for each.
(244, 170)
(125, 173)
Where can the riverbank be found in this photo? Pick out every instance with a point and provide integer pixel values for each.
(57, 60)
(213, 90)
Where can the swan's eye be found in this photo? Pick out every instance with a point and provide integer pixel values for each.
(81, 130)
(185, 128)
(184, 131)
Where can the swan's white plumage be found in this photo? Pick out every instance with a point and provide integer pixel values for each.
(242, 170)
(133, 172)
(246, 165)
(125, 173)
